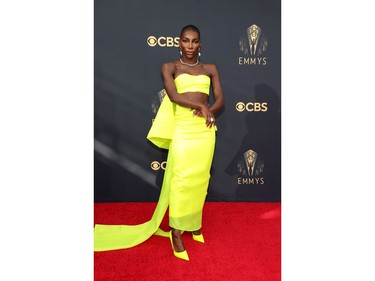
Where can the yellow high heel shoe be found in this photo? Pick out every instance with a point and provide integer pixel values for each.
(181, 255)
(161, 233)
(198, 237)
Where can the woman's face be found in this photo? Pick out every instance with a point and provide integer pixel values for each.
(190, 44)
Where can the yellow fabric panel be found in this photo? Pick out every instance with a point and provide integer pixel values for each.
(192, 83)
(162, 128)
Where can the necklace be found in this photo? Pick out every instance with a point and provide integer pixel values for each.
(193, 64)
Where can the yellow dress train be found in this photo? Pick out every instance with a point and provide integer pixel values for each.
(191, 147)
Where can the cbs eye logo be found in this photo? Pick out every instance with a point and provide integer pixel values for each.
(251, 106)
(163, 41)
(155, 165)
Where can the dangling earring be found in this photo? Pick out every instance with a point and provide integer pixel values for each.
(180, 53)
(199, 55)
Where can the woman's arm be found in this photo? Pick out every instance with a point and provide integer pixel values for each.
(217, 90)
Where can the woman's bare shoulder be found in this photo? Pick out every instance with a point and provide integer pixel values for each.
(210, 68)
(169, 67)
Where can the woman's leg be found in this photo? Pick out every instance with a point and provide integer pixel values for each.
(178, 244)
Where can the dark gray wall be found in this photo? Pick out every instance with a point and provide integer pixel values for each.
(127, 82)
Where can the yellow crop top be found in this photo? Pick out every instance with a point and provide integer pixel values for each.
(192, 83)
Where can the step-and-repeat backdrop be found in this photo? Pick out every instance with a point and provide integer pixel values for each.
(133, 38)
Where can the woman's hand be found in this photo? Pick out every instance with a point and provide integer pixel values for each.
(197, 112)
(205, 113)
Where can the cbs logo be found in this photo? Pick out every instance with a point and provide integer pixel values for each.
(163, 41)
(155, 165)
(251, 106)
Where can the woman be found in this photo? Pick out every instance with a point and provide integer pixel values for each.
(185, 124)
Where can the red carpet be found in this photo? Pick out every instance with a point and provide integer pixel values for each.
(243, 242)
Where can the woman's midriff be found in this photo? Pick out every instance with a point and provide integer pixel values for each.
(198, 97)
